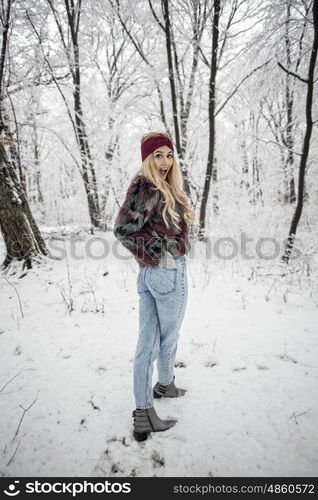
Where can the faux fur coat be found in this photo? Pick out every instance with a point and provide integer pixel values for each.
(140, 227)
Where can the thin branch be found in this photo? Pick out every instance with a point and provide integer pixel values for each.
(51, 71)
(292, 73)
(204, 59)
(71, 302)
(155, 16)
(25, 410)
(239, 85)
(17, 87)
(277, 144)
(60, 30)
(298, 415)
(5, 385)
(17, 293)
(14, 453)
(27, 124)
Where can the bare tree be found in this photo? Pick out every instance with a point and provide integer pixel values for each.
(181, 82)
(220, 39)
(256, 190)
(289, 165)
(128, 28)
(306, 143)
(251, 162)
(293, 60)
(20, 232)
(118, 67)
(210, 171)
(181, 90)
(68, 27)
(278, 107)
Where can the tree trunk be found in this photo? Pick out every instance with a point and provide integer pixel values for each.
(36, 149)
(20, 232)
(182, 100)
(169, 47)
(88, 170)
(21, 235)
(206, 189)
(171, 76)
(257, 190)
(245, 168)
(306, 144)
(290, 195)
(73, 13)
(109, 156)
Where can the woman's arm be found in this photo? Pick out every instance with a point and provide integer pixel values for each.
(141, 203)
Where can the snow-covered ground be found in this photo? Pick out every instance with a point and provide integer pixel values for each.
(247, 355)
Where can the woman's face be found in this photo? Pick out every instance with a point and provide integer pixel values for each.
(163, 158)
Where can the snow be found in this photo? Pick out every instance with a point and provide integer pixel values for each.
(247, 356)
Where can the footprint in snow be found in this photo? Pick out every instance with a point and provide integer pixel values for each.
(112, 463)
(180, 364)
(286, 357)
(210, 363)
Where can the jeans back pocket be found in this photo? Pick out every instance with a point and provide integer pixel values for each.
(162, 281)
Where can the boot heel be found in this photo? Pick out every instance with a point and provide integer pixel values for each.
(156, 395)
(140, 436)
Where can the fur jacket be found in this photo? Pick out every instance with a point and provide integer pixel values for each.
(140, 227)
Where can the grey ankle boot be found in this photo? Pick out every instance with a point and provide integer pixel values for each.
(146, 421)
(168, 391)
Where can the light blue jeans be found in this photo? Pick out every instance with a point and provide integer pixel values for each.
(162, 302)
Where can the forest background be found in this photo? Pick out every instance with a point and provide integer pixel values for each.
(234, 83)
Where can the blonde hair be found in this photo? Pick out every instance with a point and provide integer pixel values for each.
(171, 188)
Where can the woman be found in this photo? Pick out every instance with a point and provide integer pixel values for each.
(153, 224)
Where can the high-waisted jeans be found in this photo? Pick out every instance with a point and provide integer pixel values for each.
(162, 302)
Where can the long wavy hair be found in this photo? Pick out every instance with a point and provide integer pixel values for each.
(171, 188)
